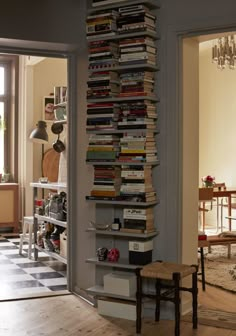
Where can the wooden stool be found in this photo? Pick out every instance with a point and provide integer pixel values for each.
(27, 234)
(174, 273)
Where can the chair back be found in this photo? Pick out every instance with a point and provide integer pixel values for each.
(205, 194)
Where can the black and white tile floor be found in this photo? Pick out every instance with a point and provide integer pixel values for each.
(21, 276)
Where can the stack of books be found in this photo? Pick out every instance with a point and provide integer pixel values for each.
(102, 24)
(107, 180)
(102, 116)
(138, 148)
(135, 18)
(139, 50)
(103, 55)
(136, 185)
(103, 148)
(138, 220)
(137, 115)
(136, 83)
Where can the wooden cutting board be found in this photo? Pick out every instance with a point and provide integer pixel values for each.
(51, 165)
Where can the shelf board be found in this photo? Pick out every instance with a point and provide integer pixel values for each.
(144, 204)
(52, 254)
(123, 234)
(94, 163)
(149, 3)
(122, 263)
(135, 131)
(99, 291)
(122, 36)
(64, 104)
(60, 122)
(51, 220)
(121, 68)
(50, 185)
(119, 99)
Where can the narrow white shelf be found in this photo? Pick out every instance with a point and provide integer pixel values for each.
(121, 99)
(52, 254)
(122, 263)
(49, 185)
(99, 291)
(144, 204)
(123, 234)
(149, 3)
(51, 220)
(120, 163)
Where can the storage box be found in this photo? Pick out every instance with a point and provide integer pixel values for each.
(120, 283)
(63, 244)
(140, 252)
(119, 309)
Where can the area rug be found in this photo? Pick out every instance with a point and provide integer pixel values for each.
(214, 318)
(219, 270)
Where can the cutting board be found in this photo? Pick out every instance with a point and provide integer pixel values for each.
(51, 165)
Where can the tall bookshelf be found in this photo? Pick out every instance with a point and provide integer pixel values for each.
(122, 129)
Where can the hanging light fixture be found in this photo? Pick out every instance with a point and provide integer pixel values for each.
(224, 52)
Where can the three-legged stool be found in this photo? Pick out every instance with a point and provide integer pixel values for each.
(168, 276)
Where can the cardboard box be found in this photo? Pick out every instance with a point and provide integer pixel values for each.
(120, 283)
(119, 309)
(140, 252)
(141, 246)
(63, 244)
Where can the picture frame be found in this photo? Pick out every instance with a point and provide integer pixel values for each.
(48, 108)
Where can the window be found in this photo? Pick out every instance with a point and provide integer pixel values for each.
(8, 114)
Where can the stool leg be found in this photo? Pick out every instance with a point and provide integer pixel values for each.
(158, 300)
(21, 243)
(203, 268)
(194, 295)
(138, 302)
(176, 278)
(30, 241)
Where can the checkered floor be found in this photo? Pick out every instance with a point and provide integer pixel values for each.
(21, 276)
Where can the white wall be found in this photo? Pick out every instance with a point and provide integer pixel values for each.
(40, 81)
(217, 108)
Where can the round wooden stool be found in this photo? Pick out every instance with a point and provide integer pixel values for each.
(168, 276)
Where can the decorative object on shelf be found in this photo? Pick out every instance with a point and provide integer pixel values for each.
(100, 226)
(116, 225)
(113, 255)
(102, 253)
(224, 52)
(208, 181)
(48, 108)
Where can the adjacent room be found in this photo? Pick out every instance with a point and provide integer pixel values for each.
(33, 145)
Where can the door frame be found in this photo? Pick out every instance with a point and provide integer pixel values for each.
(55, 50)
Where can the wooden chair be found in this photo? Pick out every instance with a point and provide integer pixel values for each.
(205, 196)
(220, 203)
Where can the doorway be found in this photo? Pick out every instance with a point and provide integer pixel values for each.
(195, 123)
(47, 276)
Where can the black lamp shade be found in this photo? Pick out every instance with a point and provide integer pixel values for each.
(39, 134)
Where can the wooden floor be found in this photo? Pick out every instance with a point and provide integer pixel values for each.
(71, 316)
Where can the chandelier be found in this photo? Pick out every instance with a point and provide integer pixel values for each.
(224, 52)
